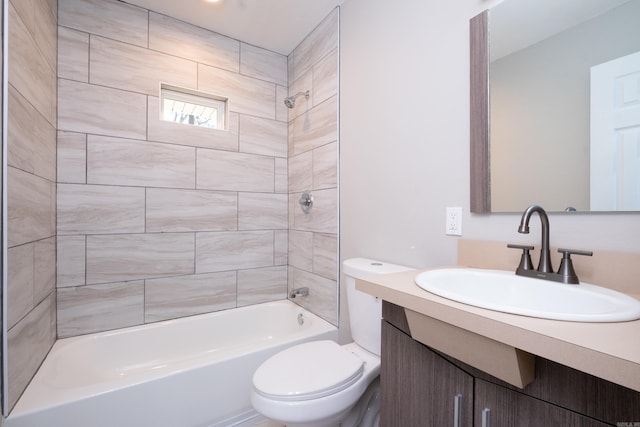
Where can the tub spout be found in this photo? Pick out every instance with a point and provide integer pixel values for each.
(299, 292)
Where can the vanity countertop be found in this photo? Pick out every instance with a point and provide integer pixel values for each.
(607, 350)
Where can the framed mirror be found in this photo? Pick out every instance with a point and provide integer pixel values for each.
(555, 106)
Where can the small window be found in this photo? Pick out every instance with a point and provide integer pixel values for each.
(189, 107)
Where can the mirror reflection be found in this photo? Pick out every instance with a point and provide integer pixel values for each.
(565, 105)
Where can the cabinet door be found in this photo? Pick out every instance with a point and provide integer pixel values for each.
(418, 387)
(497, 406)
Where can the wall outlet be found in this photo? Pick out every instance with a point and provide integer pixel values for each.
(454, 222)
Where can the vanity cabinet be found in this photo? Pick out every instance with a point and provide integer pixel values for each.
(419, 387)
(497, 406)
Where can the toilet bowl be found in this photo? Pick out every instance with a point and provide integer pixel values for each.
(321, 383)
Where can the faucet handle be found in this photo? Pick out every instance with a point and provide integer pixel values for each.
(569, 252)
(566, 270)
(525, 259)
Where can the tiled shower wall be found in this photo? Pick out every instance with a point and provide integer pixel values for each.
(313, 156)
(159, 220)
(31, 176)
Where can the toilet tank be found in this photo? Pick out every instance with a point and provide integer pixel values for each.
(365, 311)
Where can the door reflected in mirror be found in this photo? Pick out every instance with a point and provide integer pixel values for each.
(564, 118)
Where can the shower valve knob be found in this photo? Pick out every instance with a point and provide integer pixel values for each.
(306, 202)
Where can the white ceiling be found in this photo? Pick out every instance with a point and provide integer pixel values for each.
(276, 25)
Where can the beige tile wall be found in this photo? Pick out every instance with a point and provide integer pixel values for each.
(159, 220)
(31, 300)
(313, 155)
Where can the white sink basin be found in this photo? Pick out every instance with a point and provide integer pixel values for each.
(504, 291)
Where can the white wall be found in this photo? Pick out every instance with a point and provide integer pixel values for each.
(405, 140)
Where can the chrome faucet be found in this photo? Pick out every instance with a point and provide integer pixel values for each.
(544, 266)
(566, 273)
(299, 292)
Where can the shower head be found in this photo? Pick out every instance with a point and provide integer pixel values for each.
(290, 101)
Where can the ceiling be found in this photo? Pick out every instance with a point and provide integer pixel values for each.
(276, 25)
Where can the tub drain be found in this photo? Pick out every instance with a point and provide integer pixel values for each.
(300, 319)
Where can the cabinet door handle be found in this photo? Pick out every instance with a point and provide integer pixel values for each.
(485, 417)
(457, 408)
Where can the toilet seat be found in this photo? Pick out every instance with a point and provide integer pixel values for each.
(308, 371)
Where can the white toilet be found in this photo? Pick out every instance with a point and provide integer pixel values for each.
(321, 383)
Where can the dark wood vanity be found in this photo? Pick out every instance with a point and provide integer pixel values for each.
(420, 387)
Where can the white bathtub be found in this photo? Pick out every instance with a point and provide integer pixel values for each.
(190, 372)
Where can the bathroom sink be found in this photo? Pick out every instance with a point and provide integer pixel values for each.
(504, 291)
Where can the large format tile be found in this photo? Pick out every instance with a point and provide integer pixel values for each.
(123, 66)
(53, 211)
(31, 205)
(263, 64)
(31, 138)
(19, 283)
(190, 210)
(281, 183)
(29, 71)
(121, 257)
(44, 148)
(323, 293)
(173, 297)
(301, 249)
(73, 54)
(324, 215)
(222, 251)
(302, 84)
(195, 136)
(71, 261)
(101, 110)
(108, 18)
(314, 129)
(178, 38)
(282, 112)
(44, 268)
(263, 136)
(88, 309)
(220, 170)
(262, 285)
(325, 78)
(325, 255)
(246, 95)
(115, 161)
(280, 247)
(45, 30)
(315, 46)
(325, 166)
(96, 209)
(72, 157)
(301, 172)
(261, 211)
(28, 344)
(20, 131)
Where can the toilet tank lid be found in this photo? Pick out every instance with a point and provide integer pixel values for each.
(363, 267)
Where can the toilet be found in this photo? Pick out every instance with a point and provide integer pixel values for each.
(321, 383)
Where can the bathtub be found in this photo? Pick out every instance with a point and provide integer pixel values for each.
(189, 372)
